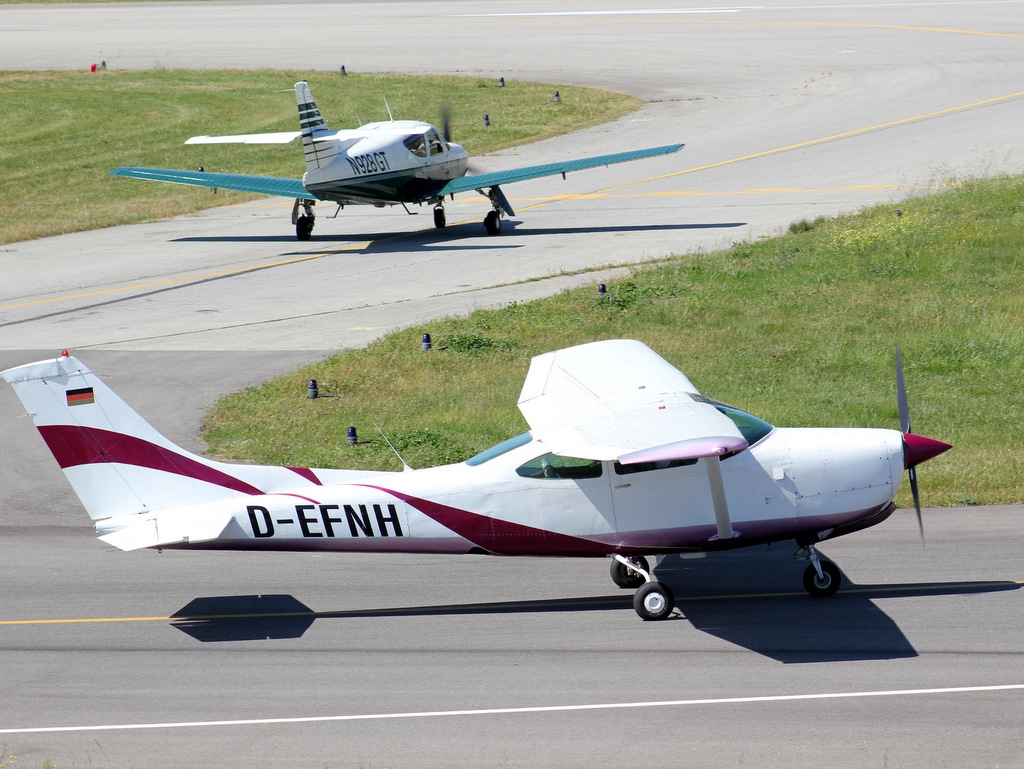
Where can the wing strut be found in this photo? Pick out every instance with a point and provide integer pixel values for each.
(714, 467)
(498, 199)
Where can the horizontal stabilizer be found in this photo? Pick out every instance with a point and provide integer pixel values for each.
(263, 185)
(280, 137)
(169, 528)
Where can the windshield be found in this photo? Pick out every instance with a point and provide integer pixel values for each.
(752, 428)
(502, 448)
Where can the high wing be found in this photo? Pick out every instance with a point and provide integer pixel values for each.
(618, 399)
(264, 185)
(479, 181)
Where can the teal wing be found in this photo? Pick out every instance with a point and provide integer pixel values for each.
(264, 185)
(479, 181)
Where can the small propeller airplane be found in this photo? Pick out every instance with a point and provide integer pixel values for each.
(624, 459)
(397, 162)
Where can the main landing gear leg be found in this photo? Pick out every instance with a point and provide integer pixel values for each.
(821, 578)
(653, 601)
(304, 223)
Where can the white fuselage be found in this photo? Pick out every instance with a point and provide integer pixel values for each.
(381, 163)
(794, 483)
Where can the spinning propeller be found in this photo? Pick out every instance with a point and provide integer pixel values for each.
(916, 448)
(446, 122)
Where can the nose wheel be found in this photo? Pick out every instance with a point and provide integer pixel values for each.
(821, 578)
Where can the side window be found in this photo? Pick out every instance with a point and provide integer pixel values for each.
(437, 146)
(643, 467)
(417, 145)
(554, 466)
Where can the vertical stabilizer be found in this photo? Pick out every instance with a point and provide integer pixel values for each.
(117, 462)
(311, 122)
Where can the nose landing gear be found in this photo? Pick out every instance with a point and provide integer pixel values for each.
(821, 578)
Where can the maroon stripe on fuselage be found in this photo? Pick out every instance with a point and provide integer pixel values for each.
(502, 537)
(306, 473)
(73, 446)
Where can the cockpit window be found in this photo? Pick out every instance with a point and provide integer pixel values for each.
(554, 466)
(752, 428)
(502, 448)
(417, 145)
(437, 144)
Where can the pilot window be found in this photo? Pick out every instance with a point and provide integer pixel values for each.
(643, 467)
(554, 466)
(417, 145)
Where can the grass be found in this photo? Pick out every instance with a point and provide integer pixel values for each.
(800, 330)
(61, 133)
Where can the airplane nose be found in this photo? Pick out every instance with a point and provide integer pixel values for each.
(918, 449)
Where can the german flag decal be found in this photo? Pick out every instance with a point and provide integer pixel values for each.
(80, 397)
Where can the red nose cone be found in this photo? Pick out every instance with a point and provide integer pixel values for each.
(918, 449)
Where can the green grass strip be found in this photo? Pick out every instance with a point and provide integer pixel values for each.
(800, 330)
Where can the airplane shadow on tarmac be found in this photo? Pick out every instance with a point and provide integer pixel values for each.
(751, 598)
(452, 232)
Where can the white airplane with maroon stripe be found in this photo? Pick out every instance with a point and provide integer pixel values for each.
(396, 162)
(624, 459)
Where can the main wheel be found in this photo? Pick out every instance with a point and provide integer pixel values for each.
(623, 576)
(492, 223)
(304, 227)
(827, 584)
(653, 601)
(439, 218)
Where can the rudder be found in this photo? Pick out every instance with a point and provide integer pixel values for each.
(311, 122)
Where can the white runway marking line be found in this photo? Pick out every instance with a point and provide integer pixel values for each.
(514, 711)
(646, 12)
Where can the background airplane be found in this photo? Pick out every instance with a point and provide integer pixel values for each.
(381, 164)
(624, 459)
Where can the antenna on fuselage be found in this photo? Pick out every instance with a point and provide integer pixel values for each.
(389, 118)
(405, 465)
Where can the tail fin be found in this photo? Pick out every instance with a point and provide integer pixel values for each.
(117, 462)
(311, 122)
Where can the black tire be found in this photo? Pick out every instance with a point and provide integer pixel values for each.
(439, 218)
(304, 228)
(653, 601)
(626, 577)
(822, 588)
(492, 223)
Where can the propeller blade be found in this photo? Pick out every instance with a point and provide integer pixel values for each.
(446, 122)
(916, 448)
(901, 395)
(917, 501)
